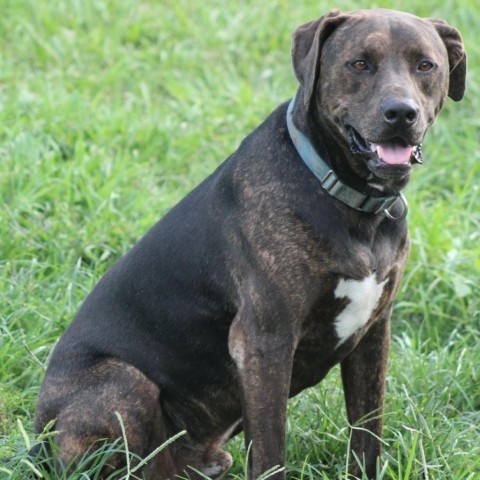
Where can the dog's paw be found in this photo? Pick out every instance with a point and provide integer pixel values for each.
(217, 464)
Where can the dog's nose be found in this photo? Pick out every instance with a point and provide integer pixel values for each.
(400, 112)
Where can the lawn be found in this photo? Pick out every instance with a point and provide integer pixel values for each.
(112, 110)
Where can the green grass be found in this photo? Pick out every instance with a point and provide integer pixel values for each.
(112, 110)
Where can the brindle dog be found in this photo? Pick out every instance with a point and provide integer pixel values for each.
(264, 277)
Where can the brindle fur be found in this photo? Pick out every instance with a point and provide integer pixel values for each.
(226, 307)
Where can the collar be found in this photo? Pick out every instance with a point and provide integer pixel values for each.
(332, 184)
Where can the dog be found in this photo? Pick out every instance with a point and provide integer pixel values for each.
(281, 264)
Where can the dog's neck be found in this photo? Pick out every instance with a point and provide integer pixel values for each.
(330, 181)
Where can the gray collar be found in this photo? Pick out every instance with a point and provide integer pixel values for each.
(332, 184)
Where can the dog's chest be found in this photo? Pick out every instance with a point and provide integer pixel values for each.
(344, 312)
(339, 320)
(361, 298)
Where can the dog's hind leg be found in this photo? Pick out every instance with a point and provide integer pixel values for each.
(85, 405)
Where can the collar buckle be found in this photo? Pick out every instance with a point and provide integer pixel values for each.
(329, 182)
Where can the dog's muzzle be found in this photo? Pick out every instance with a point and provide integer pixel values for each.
(386, 159)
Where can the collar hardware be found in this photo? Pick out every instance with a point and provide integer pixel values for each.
(404, 211)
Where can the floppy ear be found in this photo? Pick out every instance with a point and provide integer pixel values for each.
(307, 41)
(457, 58)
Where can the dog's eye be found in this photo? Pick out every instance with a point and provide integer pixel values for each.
(359, 65)
(425, 66)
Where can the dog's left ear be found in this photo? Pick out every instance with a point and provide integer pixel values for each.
(457, 58)
(307, 41)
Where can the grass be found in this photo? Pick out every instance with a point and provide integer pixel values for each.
(111, 111)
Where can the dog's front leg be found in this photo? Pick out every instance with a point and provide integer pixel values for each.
(263, 354)
(363, 375)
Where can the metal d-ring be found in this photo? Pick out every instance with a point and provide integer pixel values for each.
(403, 214)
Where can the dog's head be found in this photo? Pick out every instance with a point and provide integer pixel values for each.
(376, 80)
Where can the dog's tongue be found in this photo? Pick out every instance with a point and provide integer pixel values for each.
(394, 153)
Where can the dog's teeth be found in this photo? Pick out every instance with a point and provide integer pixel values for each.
(373, 146)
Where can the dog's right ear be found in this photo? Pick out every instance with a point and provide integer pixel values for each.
(307, 41)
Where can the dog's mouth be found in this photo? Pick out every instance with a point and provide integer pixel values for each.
(389, 158)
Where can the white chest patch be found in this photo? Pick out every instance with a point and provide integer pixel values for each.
(363, 296)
